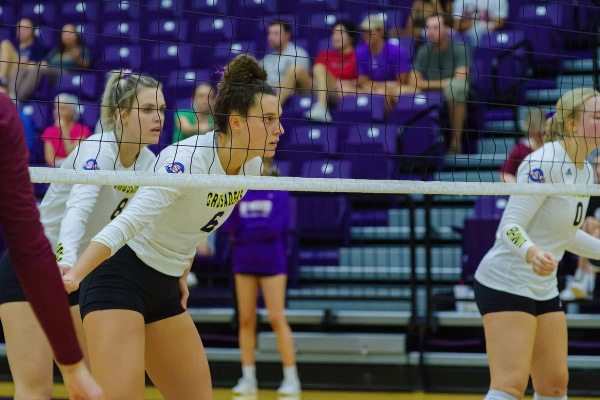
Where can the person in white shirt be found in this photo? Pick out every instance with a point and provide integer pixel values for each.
(72, 215)
(133, 305)
(515, 283)
(476, 18)
(288, 66)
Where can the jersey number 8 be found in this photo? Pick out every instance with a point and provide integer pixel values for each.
(119, 208)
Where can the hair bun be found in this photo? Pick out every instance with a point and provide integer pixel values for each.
(244, 69)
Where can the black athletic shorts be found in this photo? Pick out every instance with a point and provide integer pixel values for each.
(490, 301)
(10, 287)
(124, 282)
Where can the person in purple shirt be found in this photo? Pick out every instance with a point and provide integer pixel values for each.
(257, 229)
(383, 67)
(28, 52)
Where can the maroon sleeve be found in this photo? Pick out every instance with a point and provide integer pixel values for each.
(30, 252)
(515, 158)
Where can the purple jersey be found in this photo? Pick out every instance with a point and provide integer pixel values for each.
(257, 226)
(391, 61)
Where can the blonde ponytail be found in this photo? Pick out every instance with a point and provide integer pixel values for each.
(568, 107)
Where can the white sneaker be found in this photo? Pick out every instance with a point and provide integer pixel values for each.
(289, 388)
(245, 387)
(567, 294)
(318, 113)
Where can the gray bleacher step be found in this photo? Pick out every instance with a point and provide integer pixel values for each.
(380, 291)
(449, 256)
(499, 146)
(400, 233)
(546, 96)
(503, 126)
(445, 217)
(581, 65)
(473, 320)
(467, 176)
(439, 359)
(445, 198)
(570, 81)
(358, 273)
(367, 305)
(487, 160)
(334, 344)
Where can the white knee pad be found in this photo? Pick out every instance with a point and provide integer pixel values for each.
(498, 395)
(538, 397)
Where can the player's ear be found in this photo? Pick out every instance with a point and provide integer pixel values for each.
(235, 122)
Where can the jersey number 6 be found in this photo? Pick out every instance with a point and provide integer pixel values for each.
(212, 224)
(119, 208)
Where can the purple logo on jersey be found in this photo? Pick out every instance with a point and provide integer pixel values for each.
(91, 165)
(175, 168)
(537, 175)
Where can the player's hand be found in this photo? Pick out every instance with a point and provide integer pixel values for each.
(79, 382)
(184, 290)
(64, 269)
(544, 263)
(70, 281)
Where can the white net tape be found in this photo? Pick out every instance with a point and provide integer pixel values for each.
(144, 178)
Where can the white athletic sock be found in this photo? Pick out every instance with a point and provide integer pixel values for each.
(249, 372)
(498, 395)
(290, 373)
(538, 397)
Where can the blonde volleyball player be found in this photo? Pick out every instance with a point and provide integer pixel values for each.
(133, 305)
(516, 287)
(72, 214)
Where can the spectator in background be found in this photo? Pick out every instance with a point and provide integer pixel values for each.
(62, 138)
(26, 54)
(70, 56)
(288, 66)
(582, 285)
(419, 12)
(257, 228)
(476, 18)
(334, 72)
(383, 67)
(198, 120)
(443, 65)
(533, 125)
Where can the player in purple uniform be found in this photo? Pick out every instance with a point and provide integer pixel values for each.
(257, 228)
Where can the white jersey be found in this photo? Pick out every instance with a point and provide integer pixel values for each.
(73, 214)
(549, 222)
(163, 226)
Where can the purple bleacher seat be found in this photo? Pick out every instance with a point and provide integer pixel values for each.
(319, 6)
(283, 167)
(5, 33)
(490, 206)
(224, 52)
(40, 114)
(166, 8)
(306, 143)
(83, 85)
(40, 12)
(327, 168)
(370, 148)
(183, 82)
(168, 30)
(89, 34)
(120, 10)
(250, 13)
(420, 141)
(48, 37)
(183, 103)
(499, 71)
(79, 11)
(89, 114)
(212, 30)
(166, 56)
(362, 108)
(121, 57)
(7, 16)
(121, 32)
(212, 7)
(324, 216)
(321, 24)
(294, 109)
(359, 8)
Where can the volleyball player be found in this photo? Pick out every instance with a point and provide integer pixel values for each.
(34, 262)
(133, 305)
(73, 214)
(515, 284)
(257, 227)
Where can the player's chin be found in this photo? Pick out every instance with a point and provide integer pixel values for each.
(269, 152)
